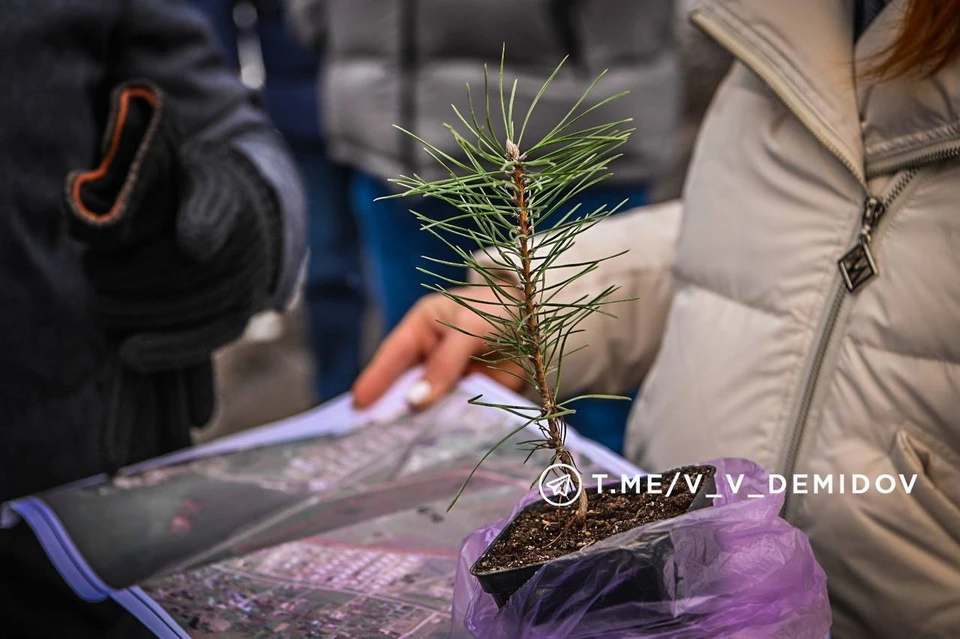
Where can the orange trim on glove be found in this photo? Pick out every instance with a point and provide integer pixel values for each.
(100, 171)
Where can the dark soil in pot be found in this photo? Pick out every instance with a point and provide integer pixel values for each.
(536, 535)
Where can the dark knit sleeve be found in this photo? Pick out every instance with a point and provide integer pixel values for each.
(170, 43)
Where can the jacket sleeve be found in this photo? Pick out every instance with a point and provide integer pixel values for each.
(620, 350)
(170, 44)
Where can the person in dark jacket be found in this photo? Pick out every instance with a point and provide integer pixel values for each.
(403, 62)
(334, 291)
(147, 210)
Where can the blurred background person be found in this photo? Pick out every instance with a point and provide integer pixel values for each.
(265, 372)
(148, 209)
(401, 62)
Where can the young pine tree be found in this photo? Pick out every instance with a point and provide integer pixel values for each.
(513, 202)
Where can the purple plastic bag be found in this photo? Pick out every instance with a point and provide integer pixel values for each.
(734, 570)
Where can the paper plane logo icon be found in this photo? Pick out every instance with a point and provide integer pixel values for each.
(561, 485)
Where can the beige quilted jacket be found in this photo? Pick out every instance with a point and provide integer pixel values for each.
(750, 340)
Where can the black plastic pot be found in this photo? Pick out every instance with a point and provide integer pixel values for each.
(648, 586)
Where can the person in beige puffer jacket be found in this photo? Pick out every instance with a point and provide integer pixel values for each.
(800, 306)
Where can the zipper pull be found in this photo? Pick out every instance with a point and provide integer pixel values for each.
(857, 266)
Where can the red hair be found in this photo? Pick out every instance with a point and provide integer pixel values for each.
(928, 41)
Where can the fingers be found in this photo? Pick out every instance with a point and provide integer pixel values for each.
(174, 350)
(209, 207)
(445, 366)
(404, 348)
(422, 337)
(201, 396)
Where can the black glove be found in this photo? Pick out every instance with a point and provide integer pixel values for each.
(183, 245)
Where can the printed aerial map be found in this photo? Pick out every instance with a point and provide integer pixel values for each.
(336, 536)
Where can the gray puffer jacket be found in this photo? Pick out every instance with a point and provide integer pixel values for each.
(406, 61)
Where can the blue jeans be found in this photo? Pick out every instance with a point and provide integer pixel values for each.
(334, 293)
(395, 245)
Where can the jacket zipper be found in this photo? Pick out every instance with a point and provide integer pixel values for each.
(944, 152)
(857, 266)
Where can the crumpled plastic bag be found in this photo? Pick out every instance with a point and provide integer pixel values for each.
(735, 569)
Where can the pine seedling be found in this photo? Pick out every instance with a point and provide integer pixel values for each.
(513, 203)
